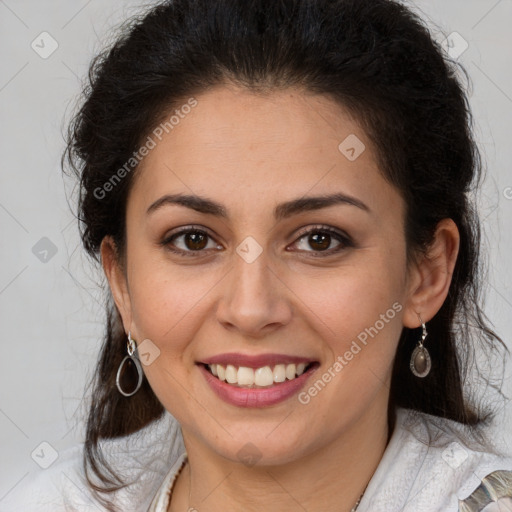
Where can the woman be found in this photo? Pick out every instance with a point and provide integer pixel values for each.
(278, 194)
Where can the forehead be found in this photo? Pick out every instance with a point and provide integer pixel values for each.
(249, 147)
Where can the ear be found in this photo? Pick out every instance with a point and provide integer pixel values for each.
(430, 276)
(116, 277)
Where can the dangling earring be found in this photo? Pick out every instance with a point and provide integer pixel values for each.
(131, 360)
(420, 359)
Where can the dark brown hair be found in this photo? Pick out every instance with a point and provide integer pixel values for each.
(374, 57)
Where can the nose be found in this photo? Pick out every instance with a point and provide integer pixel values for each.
(255, 300)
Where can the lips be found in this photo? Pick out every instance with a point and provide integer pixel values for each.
(256, 381)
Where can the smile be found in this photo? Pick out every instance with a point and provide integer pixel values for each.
(262, 377)
(256, 381)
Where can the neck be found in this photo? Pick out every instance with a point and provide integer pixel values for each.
(331, 477)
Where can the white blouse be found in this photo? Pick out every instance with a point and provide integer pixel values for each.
(426, 467)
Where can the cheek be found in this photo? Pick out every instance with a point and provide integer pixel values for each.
(162, 305)
(358, 313)
(352, 297)
(166, 309)
(359, 319)
(164, 295)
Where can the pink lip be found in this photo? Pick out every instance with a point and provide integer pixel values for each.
(237, 359)
(255, 397)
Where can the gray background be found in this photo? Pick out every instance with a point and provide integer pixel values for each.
(51, 312)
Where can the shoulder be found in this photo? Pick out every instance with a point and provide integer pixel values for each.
(460, 466)
(141, 459)
(432, 465)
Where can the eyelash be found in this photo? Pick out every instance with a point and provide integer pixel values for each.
(345, 241)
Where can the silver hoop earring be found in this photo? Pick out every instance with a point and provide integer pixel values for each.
(131, 360)
(420, 359)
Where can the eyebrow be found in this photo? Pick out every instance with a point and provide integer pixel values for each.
(281, 211)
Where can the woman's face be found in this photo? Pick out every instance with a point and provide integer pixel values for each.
(267, 276)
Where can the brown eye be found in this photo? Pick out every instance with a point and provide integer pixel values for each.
(189, 241)
(195, 240)
(319, 241)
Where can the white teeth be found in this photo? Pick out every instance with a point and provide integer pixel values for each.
(245, 376)
(279, 373)
(290, 371)
(262, 377)
(231, 374)
(221, 372)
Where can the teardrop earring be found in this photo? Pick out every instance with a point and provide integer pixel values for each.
(420, 359)
(131, 360)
